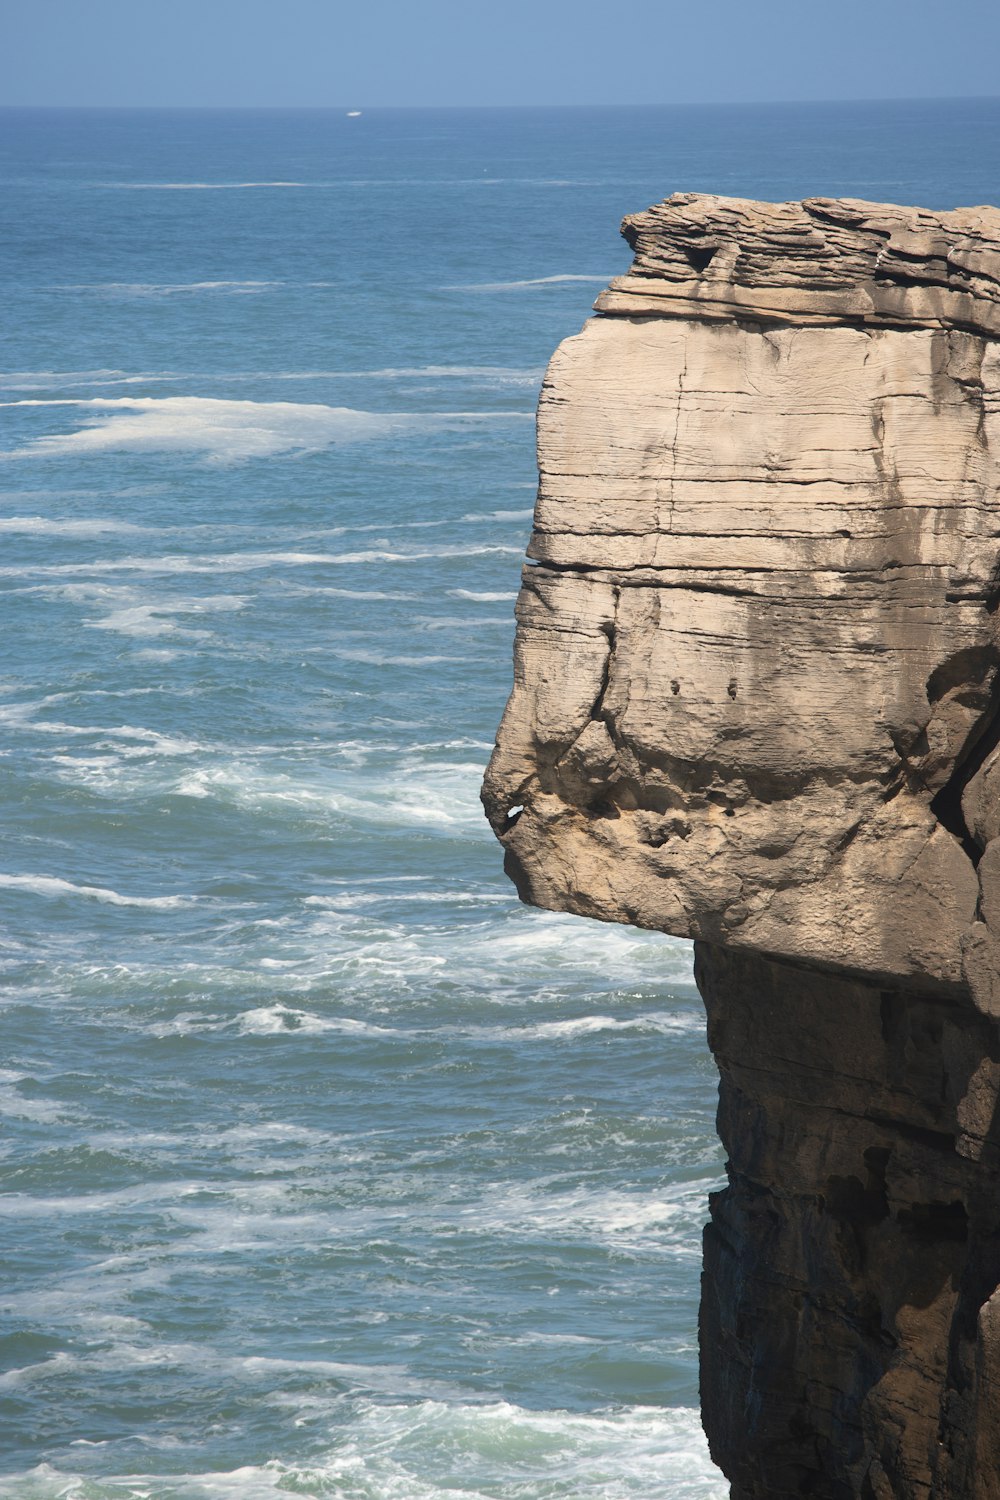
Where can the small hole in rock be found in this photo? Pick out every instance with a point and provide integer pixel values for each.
(510, 818)
(675, 687)
(733, 687)
(699, 257)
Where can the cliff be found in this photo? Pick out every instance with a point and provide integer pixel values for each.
(756, 703)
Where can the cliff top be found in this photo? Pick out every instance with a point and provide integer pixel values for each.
(821, 261)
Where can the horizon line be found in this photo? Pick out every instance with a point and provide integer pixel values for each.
(483, 108)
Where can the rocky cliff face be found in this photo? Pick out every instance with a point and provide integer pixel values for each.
(757, 703)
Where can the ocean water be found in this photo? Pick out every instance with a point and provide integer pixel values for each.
(328, 1168)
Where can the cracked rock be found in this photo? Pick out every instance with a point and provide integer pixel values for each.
(757, 703)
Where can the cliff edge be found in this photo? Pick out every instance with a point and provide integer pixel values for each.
(757, 703)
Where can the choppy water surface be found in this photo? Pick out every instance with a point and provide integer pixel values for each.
(330, 1169)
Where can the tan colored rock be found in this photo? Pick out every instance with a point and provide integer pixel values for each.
(821, 261)
(764, 559)
(757, 703)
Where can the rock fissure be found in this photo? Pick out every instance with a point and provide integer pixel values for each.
(610, 630)
(946, 805)
(757, 704)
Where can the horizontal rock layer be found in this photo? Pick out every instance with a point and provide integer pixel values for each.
(757, 654)
(826, 260)
(756, 703)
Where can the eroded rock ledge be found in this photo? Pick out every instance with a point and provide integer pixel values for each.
(757, 703)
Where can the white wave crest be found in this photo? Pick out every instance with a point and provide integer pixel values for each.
(500, 515)
(501, 596)
(43, 380)
(321, 591)
(184, 187)
(491, 374)
(129, 614)
(552, 954)
(662, 1223)
(59, 526)
(18, 1106)
(663, 1023)
(516, 286)
(285, 1020)
(229, 431)
(25, 380)
(444, 1450)
(140, 613)
(170, 288)
(389, 659)
(246, 562)
(440, 797)
(54, 886)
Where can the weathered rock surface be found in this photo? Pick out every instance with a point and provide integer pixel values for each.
(757, 703)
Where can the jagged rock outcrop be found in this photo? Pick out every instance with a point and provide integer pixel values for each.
(757, 703)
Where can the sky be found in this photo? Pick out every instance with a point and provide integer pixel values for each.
(357, 53)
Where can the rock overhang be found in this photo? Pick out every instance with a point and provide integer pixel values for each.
(755, 696)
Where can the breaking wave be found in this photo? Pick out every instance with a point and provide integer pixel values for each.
(53, 886)
(230, 431)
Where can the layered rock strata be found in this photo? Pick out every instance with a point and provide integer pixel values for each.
(757, 703)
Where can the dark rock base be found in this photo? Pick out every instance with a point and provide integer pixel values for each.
(850, 1321)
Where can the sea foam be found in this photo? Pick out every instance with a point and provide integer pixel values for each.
(443, 1450)
(24, 380)
(246, 562)
(95, 526)
(54, 887)
(529, 283)
(229, 431)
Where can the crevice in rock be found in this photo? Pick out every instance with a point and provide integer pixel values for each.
(932, 1140)
(946, 805)
(609, 629)
(899, 277)
(993, 590)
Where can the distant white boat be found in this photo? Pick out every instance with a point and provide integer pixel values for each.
(352, 114)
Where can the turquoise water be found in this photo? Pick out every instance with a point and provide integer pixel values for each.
(329, 1169)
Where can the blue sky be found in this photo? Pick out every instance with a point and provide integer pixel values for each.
(461, 52)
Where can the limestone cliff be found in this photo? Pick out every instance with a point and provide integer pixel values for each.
(757, 703)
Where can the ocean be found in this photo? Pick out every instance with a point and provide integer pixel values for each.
(328, 1168)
